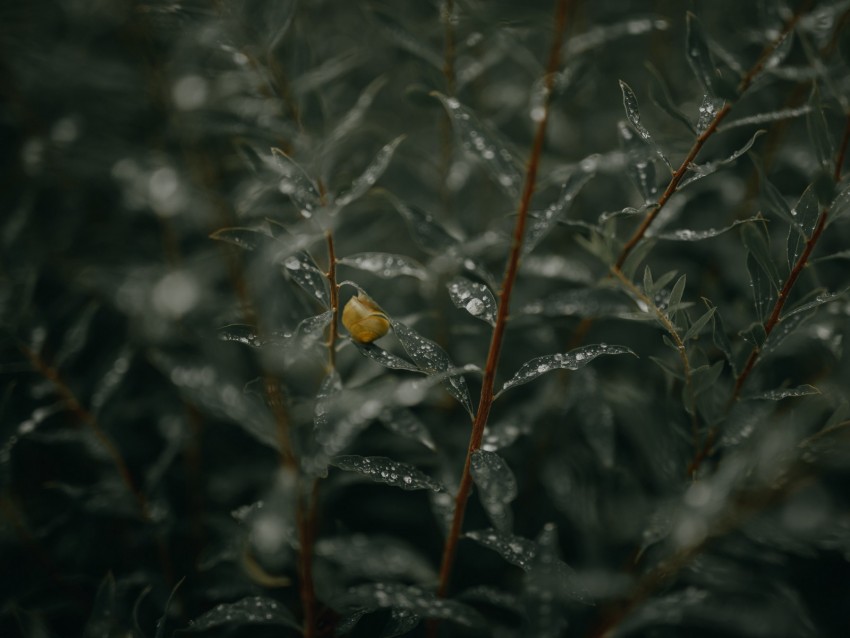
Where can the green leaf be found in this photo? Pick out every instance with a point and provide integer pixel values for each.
(386, 265)
(473, 297)
(764, 292)
(819, 132)
(572, 360)
(805, 215)
(699, 235)
(295, 183)
(383, 470)
(630, 104)
(254, 610)
(514, 549)
(699, 324)
(698, 171)
(301, 268)
(383, 357)
(540, 223)
(361, 185)
(662, 98)
(485, 144)
(640, 168)
(496, 485)
(432, 359)
(676, 294)
(425, 230)
(699, 55)
(757, 243)
(784, 393)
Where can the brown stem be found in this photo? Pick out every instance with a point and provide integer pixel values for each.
(306, 514)
(486, 400)
(703, 137)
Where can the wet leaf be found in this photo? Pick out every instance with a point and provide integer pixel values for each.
(514, 549)
(404, 39)
(301, 268)
(699, 235)
(662, 98)
(383, 470)
(244, 237)
(699, 55)
(819, 133)
(352, 119)
(698, 171)
(407, 424)
(581, 302)
(421, 602)
(765, 118)
(361, 185)
(255, 610)
(630, 104)
(376, 557)
(819, 300)
(432, 359)
(484, 143)
(540, 223)
(805, 215)
(784, 393)
(640, 168)
(426, 231)
(295, 183)
(572, 360)
(698, 325)
(383, 357)
(473, 297)
(496, 485)
(707, 112)
(764, 292)
(757, 242)
(386, 265)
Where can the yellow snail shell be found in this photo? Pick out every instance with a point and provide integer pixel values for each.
(364, 319)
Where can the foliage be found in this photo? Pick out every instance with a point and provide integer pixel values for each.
(599, 262)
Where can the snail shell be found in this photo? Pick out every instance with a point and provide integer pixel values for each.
(364, 319)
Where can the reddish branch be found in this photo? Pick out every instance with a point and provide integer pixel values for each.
(487, 394)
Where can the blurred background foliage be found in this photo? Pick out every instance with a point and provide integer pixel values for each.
(154, 342)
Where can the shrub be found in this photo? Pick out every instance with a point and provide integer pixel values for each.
(457, 318)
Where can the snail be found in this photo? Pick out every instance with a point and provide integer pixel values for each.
(364, 319)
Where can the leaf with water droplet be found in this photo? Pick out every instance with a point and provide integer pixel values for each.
(640, 167)
(514, 549)
(699, 235)
(295, 183)
(385, 358)
(426, 231)
(570, 269)
(404, 422)
(316, 457)
(505, 431)
(402, 37)
(301, 268)
(699, 55)
(819, 300)
(386, 265)
(598, 36)
(540, 223)
(805, 215)
(352, 119)
(628, 211)
(361, 185)
(766, 118)
(581, 302)
(443, 508)
(784, 393)
(473, 297)
(383, 470)
(375, 557)
(255, 610)
(432, 359)
(699, 324)
(819, 132)
(698, 171)
(244, 237)
(707, 112)
(372, 596)
(485, 144)
(764, 293)
(496, 485)
(572, 360)
(841, 204)
(630, 104)
(490, 596)
(757, 243)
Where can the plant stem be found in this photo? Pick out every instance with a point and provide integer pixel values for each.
(486, 400)
(703, 137)
(331, 275)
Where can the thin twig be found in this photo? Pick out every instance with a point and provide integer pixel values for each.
(486, 400)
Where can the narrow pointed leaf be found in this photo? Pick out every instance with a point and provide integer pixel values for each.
(386, 359)
(383, 470)
(255, 610)
(496, 485)
(372, 596)
(295, 183)
(766, 118)
(581, 302)
(301, 268)
(676, 294)
(699, 235)
(784, 393)
(707, 112)
(662, 98)
(805, 215)
(819, 134)
(407, 424)
(698, 171)
(698, 325)
(432, 359)
(757, 242)
(367, 179)
(699, 55)
(819, 300)
(572, 360)
(473, 297)
(541, 223)
(243, 237)
(630, 104)
(375, 557)
(640, 168)
(352, 119)
(386, 265)
(514, 549)
(482, 142)
(425, 230)
(764, 293)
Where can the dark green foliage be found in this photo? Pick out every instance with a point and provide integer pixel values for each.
(191, 193)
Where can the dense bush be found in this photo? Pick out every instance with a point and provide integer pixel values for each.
(598, 257)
